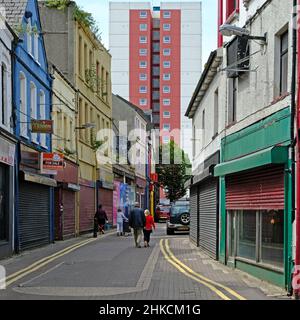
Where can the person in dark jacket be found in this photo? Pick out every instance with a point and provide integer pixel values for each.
(100, 219)
(137, 222)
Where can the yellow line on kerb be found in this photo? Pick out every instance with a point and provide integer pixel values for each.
(43, 262)
(232, 292)
(206, 284)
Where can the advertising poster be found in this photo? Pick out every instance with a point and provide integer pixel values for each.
(116, 199)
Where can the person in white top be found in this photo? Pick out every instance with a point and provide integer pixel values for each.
(120, 219)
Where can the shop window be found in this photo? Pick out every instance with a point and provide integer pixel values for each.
(246, 244)
(257, 236)
(272, 233)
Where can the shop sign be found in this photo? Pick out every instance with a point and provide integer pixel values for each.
(52, 162)
(7, 153)
(42, 126)
(106, 179)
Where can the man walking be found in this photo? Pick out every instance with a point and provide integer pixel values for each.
(137, 222)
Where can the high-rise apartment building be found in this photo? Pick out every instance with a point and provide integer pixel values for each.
(157, 61)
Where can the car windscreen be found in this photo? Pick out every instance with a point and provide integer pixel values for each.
(176, 210)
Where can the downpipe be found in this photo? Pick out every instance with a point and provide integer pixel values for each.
(296, 168)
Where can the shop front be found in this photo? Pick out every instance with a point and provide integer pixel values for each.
(105, 192)
(65, 201)
(255, 190)
(87, 208)
(141, 185)
(7, 208)
(204, 212)
(34, 203)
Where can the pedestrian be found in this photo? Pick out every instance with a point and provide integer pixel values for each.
(137, 221)
(101, 218)
(120, 220)
(149, 226)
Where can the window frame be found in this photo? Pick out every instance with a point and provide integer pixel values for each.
(143, 14)
(166, 114)
(143, 66)
(284, 54)
(166, 26)
(143, 25)
(168, 90)
(143, 52)
(143, 91)
(167, 14)
(165, 39)
(167, 64)
(143, 41)
(166, 50)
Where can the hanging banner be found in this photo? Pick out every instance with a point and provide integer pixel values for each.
(42, 126)
(52, 162)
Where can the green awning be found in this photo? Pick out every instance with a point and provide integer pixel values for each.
(273, 155)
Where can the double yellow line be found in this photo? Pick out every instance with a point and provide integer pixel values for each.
(222, 291)
(43, 262)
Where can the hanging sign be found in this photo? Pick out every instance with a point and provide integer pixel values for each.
(42, 126)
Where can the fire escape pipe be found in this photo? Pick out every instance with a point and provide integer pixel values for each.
(296, 32)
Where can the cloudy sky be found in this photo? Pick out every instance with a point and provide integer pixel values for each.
(100, 11)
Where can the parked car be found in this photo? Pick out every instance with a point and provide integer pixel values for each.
(179, 217)
(162, 213)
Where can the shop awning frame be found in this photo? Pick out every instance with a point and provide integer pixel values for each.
(272, 155)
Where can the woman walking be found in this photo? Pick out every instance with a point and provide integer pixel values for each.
(120, 220)
(150, 225)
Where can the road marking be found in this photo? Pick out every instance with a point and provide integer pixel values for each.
(142, 284)
(43, 262)
(232, 292)
(178, 267)
(41, 275)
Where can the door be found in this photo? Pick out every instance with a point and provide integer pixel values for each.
(34, 215)
(209, 218)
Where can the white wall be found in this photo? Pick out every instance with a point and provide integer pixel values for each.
(5, 58)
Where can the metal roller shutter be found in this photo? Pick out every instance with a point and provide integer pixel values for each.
(87, 209)
(260, 189)
(34, 215)
(208, 212)
(69, 213)
(194, 216)
(106, 199)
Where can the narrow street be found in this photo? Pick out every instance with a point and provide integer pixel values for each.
(111, 268)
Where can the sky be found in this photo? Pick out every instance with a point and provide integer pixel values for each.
(100, 11)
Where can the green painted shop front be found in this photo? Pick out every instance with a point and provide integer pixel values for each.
(255, 199)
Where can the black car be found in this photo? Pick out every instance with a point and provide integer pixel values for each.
(179, 217)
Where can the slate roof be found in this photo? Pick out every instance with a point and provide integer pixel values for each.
(14, 11)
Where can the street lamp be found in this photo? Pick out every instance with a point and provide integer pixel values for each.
(86, 126)
(229, 30)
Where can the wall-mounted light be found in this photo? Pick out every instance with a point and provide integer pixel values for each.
(229, 30)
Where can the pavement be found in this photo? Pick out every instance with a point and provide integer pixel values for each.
(111, 268)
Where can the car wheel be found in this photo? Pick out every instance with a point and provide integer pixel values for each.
(185, 219)
(170, 232)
